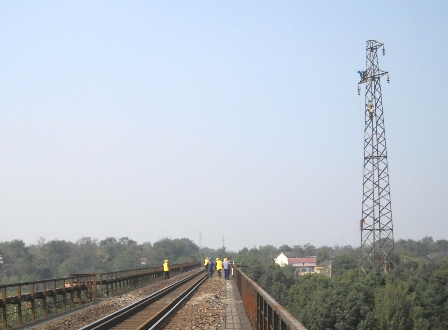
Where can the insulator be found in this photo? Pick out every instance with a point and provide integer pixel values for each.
(388, 79)
(359, 90)
(384, 51)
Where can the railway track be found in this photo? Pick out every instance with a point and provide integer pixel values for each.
(154, 311)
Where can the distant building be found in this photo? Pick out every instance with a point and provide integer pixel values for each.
(324, 268)
(304, 265)
(282, 258)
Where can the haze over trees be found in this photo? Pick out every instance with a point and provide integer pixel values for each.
(413, 296)
(59, 258)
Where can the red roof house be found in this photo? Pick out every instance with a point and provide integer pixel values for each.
(304, 265)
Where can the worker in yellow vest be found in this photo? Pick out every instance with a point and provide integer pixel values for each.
(219, 266)
(166, 269)
(206, 261)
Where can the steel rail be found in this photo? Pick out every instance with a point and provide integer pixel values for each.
(128, 312)
(165, 317)
(36, 301)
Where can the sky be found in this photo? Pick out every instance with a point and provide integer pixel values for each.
(232, 123)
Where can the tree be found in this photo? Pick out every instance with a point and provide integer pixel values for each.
(221, 252)
(49, 256)
(127, 255)
(17, 261)
(324, 253)
(395, 308)
(276, 281)
(172, 249)
(342, 264)
(321, 302)
(84, 256)
(269, 250)
(285, 248)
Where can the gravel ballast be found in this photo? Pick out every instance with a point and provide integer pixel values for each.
(205, 310)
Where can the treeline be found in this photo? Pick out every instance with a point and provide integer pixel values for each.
(413, 296)
(59, 258)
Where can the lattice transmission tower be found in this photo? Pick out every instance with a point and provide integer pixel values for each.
(377, 234)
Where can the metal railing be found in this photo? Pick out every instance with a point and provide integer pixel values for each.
(263, 311)
(25, 302)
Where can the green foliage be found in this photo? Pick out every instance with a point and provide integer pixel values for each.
(429, 282)
(173, 250)
(128, 254)
(321, 302)
(48, 257)
(305, 250)
(324, 253)
(60, 258)
(414, 296)
(277, 282)
(253, 265)
(343, 263)
(395, 308)
(269, 251)
(220, 253)
(285, 248)
(423, 249)
(16, 260)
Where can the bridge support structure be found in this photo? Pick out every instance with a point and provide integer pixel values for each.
(25, 302)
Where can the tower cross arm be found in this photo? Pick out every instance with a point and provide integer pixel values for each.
(366, 78)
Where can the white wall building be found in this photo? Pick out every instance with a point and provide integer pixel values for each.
(303, 265)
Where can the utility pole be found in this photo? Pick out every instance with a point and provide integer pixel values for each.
(200, 240)
(377, 235)
(331, 265)
(223, 242)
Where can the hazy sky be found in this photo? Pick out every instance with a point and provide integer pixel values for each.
(153, 119)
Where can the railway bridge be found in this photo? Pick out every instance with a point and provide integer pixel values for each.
(39, 304)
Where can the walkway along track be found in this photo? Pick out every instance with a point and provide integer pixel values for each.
(153, 311)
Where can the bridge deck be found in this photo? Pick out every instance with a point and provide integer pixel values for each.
(235, 317)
